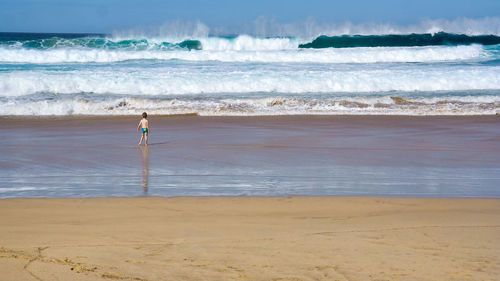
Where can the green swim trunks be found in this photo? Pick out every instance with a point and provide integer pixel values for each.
(144, 130)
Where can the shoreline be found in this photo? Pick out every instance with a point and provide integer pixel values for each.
(196, 115)
(395, 197)
(295, 238)
(252, 156)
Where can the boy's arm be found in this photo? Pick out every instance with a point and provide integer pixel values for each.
(139, 127)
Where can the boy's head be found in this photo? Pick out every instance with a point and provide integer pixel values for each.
(144, 115)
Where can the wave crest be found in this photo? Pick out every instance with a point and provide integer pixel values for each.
(411, 40)
(100, 44)
(219, 52)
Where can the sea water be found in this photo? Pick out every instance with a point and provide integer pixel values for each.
(242, 75)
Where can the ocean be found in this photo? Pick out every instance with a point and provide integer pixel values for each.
(242, 75)
(350, 115)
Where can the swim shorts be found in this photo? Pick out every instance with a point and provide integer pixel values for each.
(144, 130)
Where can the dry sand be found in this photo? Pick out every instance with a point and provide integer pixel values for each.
(302, 238)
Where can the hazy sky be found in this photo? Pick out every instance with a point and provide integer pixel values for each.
(112, 15)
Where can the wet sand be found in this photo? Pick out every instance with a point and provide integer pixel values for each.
(304, 238)
(251, 156)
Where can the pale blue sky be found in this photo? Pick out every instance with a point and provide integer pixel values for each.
(112, 15)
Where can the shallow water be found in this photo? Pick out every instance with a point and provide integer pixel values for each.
(252, 156)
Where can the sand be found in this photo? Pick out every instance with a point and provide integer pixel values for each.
(245, 238)
(396, 156)
(250, 238)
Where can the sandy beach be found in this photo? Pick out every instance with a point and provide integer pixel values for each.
(302, 238)
(168, 230)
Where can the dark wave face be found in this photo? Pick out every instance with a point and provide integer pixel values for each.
(95, 41)
(410, 40)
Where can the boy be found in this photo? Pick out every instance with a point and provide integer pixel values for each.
(144, 125)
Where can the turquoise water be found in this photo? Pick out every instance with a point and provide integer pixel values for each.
(102, 41)
(241, 75)
(409, 40)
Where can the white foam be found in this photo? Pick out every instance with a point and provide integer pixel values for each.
(248, 43)
(20, 188)
(299, 79)
(273, 51)
(385, 105)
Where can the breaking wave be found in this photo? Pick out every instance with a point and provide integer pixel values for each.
(380, 105)
(73, 48)
(397, 40)
(94, 74)
(347, 55)
(193, 80)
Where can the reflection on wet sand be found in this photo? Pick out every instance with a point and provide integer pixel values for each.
(145, 167)
(252, 156)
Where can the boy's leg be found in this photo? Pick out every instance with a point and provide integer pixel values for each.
(140, 142)
(146, 138)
